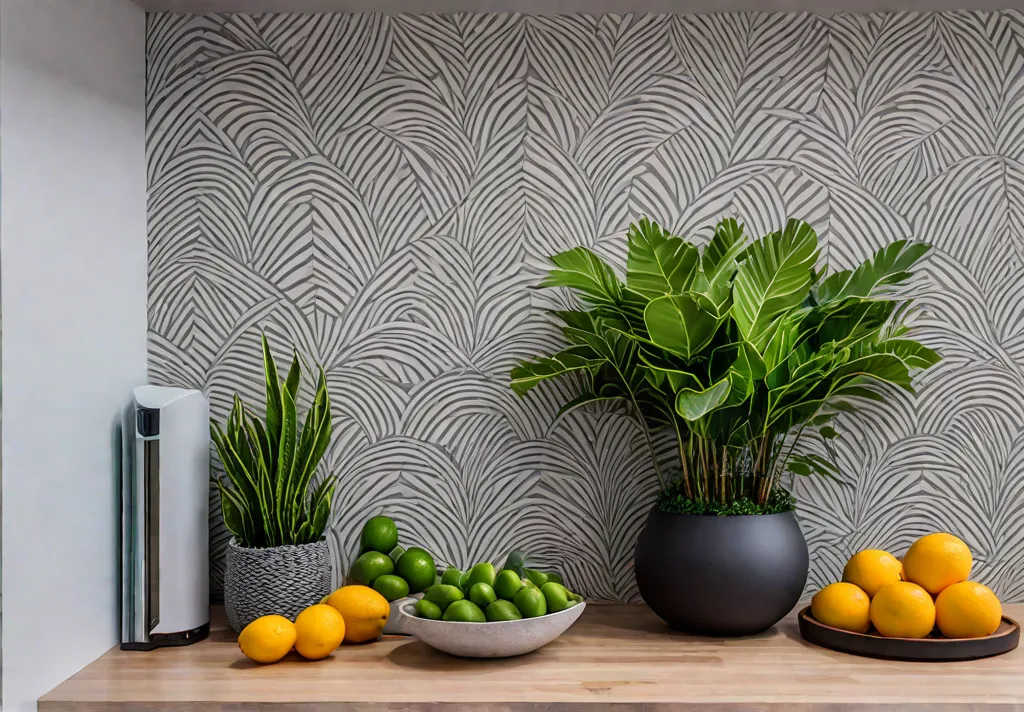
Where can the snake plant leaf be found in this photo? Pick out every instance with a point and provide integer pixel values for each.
(320, 417)
(693, 405)
(658, 262)
(529, 373)
(291, 382)
(888, 267)
(774, 278)
(677, 323)
(273, 386)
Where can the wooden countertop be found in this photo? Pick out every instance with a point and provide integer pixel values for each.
(617, 657)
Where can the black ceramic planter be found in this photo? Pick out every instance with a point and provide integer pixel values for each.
(721, 576)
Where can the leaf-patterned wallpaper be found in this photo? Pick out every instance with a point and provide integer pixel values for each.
(381, 191)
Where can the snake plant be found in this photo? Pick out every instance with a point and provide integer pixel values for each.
(267, 494)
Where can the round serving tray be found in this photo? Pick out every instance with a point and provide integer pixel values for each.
(931, 649)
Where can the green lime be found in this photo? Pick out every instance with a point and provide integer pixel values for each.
(482, 595)
(539, 578)
(379, 534)
(464, 612)
(428, 609)
(452, 577)
(531, 602)
(368, 567)
(481, 573)
(503, 611)
(443, 595)
(464, 581)
(416, 566)
(555, 578)
(391, 587)
(555, 595)
(528, 583)
(507, 584)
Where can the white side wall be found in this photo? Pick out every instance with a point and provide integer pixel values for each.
(73, 241)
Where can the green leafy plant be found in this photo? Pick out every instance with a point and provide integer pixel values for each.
(267, 497)
(738, 349)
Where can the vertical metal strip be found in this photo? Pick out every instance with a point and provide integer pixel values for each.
(151, 451)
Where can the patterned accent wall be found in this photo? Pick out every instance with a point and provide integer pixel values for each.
(381, 192)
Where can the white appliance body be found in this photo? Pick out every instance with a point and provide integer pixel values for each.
(165, 521)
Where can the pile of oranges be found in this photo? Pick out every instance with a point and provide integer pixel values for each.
(909, 599)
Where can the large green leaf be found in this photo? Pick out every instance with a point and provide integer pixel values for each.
(774, 277)
(659, 263)
(875, 277)
(692, 405)
(916, 356)
(528, 374)
(726, 245)
(679, 324)
(582, 270)
(663, 368)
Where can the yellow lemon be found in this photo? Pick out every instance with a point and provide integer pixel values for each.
(871, 569)
(267, 639)
(365, 612)
(968, 610)
(903, 610)
(319, 631)
(936, 561)
(842, 605)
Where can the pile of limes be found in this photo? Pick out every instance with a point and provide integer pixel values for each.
(391, 570)
(483, 594)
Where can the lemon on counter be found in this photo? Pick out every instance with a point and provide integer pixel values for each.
(871, 569)
(937, 561)
(267, 639)
(842, 605)
(319, 631)
(968, 610)
(902, 610)
(365, 612)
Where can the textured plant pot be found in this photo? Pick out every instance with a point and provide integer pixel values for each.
(282, 580)
(721, 576)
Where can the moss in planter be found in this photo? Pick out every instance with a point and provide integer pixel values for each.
(673, 501)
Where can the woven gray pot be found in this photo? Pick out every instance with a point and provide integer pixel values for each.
(282, 580)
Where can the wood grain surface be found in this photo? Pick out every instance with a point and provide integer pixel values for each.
(616, 658)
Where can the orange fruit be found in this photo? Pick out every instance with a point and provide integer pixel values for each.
(936, 561)
(871, 569)
(902, 610)
(842, 605)
(267, 639)
(968, 610)
(319, 631)
(365, 612)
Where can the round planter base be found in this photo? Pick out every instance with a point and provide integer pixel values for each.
(721, 576)
(281, 580)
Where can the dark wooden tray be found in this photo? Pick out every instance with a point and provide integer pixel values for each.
(931, 649)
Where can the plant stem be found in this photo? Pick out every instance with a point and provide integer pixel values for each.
(650, 443)
(683, 458)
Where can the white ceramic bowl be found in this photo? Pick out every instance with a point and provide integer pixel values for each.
(501, 639)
